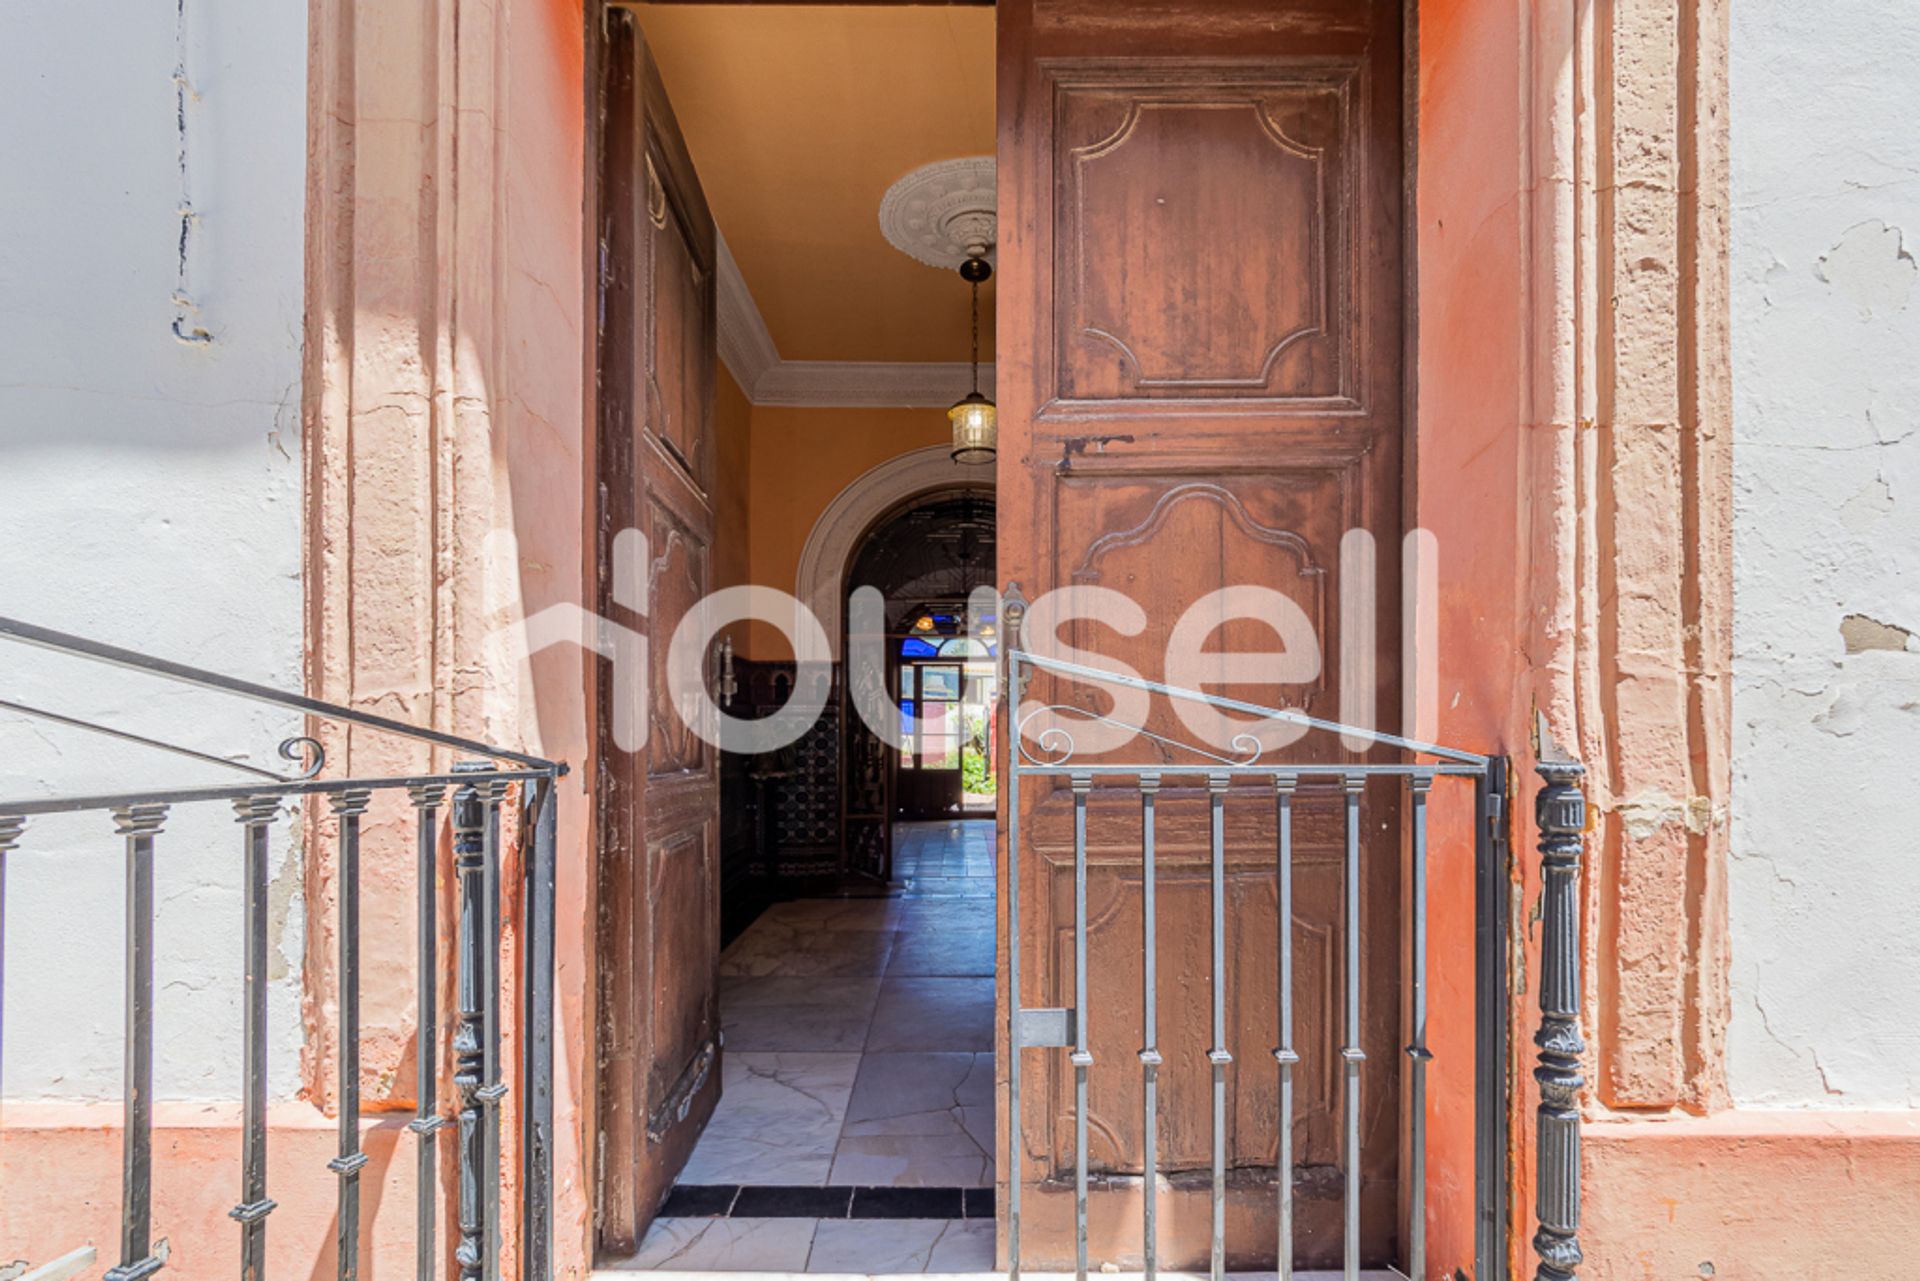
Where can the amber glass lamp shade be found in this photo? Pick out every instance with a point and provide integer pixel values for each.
(976, 430)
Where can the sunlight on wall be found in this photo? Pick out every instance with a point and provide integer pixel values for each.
(149, 472)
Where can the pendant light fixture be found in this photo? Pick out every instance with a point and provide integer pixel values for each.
(975, 420)
(942, 214)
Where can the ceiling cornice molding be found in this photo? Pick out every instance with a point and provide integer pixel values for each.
(745, 344)
(853, 384)
(751, 355)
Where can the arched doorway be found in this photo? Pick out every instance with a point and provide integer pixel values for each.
(925, 559)
(857, 512)
(857, 1120)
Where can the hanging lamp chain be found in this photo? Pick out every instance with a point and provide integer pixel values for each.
(976, 336)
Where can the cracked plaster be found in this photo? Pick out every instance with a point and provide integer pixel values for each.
(150, 480)
(1825, 978)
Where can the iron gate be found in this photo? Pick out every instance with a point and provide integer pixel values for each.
(1237, 777)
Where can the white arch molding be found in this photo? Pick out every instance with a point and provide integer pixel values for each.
(820, 582)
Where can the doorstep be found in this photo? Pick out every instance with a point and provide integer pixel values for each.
(626, 1274)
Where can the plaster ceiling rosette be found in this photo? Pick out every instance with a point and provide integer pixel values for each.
(942, 214)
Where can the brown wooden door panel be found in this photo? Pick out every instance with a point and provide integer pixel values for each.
(1151, 156)
(681, 332)
(658, 803)
(683, 926)
(677, 575)
(1200, 384)
(1174, 533)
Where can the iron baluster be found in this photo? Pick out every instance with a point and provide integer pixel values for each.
(1082, 1057)
(1015, 688)
(469, 1034)
(495, 1090)
(1351, 1053)
(536, 1040)
(1168, 772)
(1284, 1054)
(1050, 752)
(138, 824)
(139, 813)
(427, 799)
(1560, 812)
(256, 814)
(348, 806)
(1150, 1048)
(1490, 1034)
(1418, 1054)
(1217, 1054)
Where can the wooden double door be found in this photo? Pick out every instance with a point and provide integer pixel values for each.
(1200, 358)
(1200, 376)
(656, 781)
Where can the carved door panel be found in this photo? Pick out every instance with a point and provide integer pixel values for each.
(1200, 385)
(659, 798)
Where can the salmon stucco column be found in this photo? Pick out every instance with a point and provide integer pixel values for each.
(446, 464)
(1572, 224)
(1654, 493)
(1632, 614)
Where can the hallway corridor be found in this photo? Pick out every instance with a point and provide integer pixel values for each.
(855, 1130)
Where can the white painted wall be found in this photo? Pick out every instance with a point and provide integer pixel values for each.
(149, 496)
(1825, 875)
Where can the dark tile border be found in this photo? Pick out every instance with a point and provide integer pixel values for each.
(790, 1201)
(699, 1201)
(908, 1203)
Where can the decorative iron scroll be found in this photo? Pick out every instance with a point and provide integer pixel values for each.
(1057, 747)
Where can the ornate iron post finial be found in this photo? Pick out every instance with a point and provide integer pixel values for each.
(1560, 811)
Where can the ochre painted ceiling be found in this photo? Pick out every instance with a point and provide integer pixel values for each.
(799, 118)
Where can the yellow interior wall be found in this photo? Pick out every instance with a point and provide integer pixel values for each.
(799, 117)
(732, 499)
(799, 460)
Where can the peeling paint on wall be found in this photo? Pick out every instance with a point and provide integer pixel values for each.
(1644, 814)
(1824, 857)
(186, 324)
(1862, 634)
(1870, 265)
(286, 909)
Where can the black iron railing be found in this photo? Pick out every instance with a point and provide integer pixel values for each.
(472, 795)
(1042, 750)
